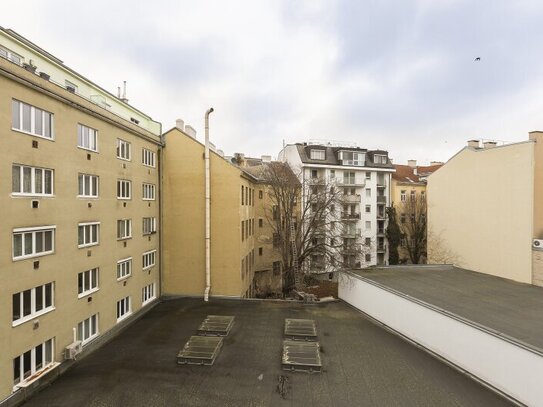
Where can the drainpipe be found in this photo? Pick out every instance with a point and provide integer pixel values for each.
(208, 207)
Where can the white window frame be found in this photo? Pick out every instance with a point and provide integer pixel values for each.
(148, 294)
(148, 158)
(91, 144)
(148, 259)
(45, 364)
(152, 221)
(93, 280)
(148, 191)
(380, 159)
(124, 229)
(124, 189)
(403, 195)
(34, 231)
(84, 180)
(316, 154)
(33, 171)
(124, 268)
(126, 305)
(11, 56)
(88, 329)
(19, 106)
(34, 313)
(94, 240)
(124, 150)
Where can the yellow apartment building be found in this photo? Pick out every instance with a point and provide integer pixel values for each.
(409, 183)
(80, 211)
(485, 209)
(233, 226)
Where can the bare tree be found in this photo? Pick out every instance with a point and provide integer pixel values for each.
(314, 229)
(439, 251)
(413, 225)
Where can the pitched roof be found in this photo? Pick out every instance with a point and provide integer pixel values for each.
(331, 155)
(406, 173)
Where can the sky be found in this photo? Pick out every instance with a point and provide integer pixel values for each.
(394, 75)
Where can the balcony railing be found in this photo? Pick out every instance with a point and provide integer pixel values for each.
(381, 248)
(381, 216)
(352, 233)
(350, 183)
(350, 216)
(351, 198)
(351, 248)
(316, 181)
(381, 231)
(381, 199)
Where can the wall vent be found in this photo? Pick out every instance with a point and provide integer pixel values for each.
(34, 143)
(35, 204)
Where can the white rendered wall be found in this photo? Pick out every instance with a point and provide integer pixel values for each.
(509, 367)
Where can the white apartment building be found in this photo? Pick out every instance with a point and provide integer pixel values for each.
(364, 179)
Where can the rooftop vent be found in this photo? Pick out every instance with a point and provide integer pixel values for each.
(200, 350)
(473, 143)
(436, 162)
(216, 325)
(301, 356)
(190, 131)
(180, 124)
(266, 158)
(300, 329)
(412, 163)
(489, 144)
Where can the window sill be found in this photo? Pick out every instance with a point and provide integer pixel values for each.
(21, 321)
(87, 197)
(36, 376)
(83, 246)
(124, 159)
(150, 300)
(120, 239)
(124, 277)
(90, 339)
(88, 149)
(148, 199)
(33, 135)
(27, 195)
(32, 256)
(122, 318)
(87, 293)
(149, 166)
(124, 199)
(148, 267)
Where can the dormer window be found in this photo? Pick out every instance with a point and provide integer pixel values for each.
(318, 154)
(380, 159)
(352, 158)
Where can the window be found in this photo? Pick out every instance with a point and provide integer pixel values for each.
(31, 303)
(148, 294)
(31, 120)
(423, 195)
(149, 226)
(124, 229)
(380, 159)
(242, 230)
(260, 222)
(314, 174)
(368, 241)
(88, 186)
(123, 150)
(148, 259)
(72, 87)
(368, 225)
(352, 158)
(33, 361)
(368, 208)
(332, 174)
(87, 138)
(403, 242)
(31, 181)
(349, 178)
(368, 193)
(318, 154)
(148, 157)
(368, 175)
(11, 56)
(403, 195)
(87, 282)
(124, 268)
(260, 250)
(148, 192)
(124, 188)
(402, 218)
(88, 234)
(123, 308)
(33, 242)
(260, 194)
(87, 329)
(413, 195)
(368, 257)
(242, 195)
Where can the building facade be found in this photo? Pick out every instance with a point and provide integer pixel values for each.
(363, 178)
(80, 212)
(408, 191)
(485, 210)
(233, 225)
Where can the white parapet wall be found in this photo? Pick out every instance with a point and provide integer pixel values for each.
(510, 367)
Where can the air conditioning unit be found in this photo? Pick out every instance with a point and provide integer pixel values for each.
(537, 244)
(72, 350)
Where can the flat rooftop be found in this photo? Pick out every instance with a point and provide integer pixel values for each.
(363, 364)
(504, 306)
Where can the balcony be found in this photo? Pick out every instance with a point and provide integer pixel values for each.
(357, 198)
(381, 215)
(380, 231)
(381, 199)
(347, 182)
(352, 234)
(381, 248)
(316, 181)
(350, 216)
(351, 249)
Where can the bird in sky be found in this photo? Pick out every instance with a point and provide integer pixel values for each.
(477, 59)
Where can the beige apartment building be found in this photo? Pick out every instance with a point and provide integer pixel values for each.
(233, 226)
(485, 210)
(409, 184)
(80, 211)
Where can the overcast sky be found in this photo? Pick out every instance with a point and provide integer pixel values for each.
(396, 75)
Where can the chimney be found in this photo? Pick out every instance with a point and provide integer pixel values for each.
(266, 158)
(180, 124)
(489, 144)
(412, 163)
(239, 159)
(190, 131)
(436, 162)
(473, 143)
